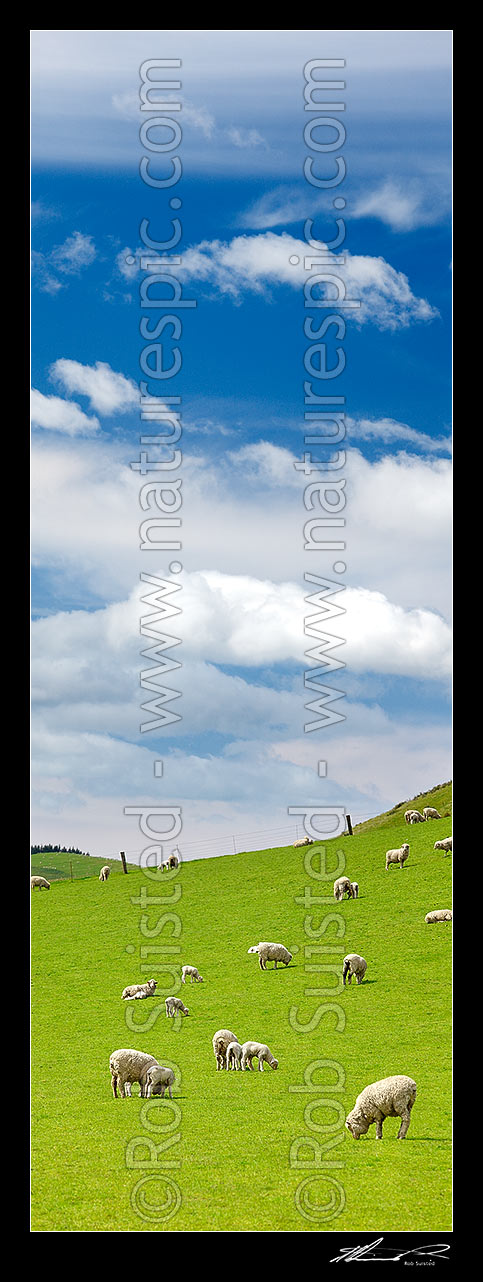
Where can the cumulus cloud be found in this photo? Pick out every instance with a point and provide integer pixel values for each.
(257, 263)
(107, 391)
(57, 415)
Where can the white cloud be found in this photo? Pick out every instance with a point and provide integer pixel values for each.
(389, 430)
(107, 391)
(403, 207)
(256, 263)
(245, 137)
(69, 259)
(61, 416)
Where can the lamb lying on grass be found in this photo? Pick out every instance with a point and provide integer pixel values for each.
(129, 1066)
(257, 1050)
(398, 856)
(353, 964)
(233, 1055)
(174, 1006)
(271, 952)
(135, 992)
(158, 1080)
(221, 1041)
(439, 914)
(304, 841)
(192, 973)
(39, 883)
(391, 1097)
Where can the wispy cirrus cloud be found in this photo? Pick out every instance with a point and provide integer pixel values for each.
(390, 431)
(404, 207)
(51, 270)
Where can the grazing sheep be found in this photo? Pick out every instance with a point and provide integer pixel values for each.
(446, 844)
(233, 1055)
(174, 1006)
(134, 992)
(355, 890)
(353, 964)
(271, 952)
(174, 858)
(104, 873)
(440, 914)
(397, 856)
(40, 882)
(342, 886)
(257, 1050)
(416, 817)
(221, 1041)
(193, 973)
(129, 1066)
(391, 1097)
(407, 816)
(430, 813)
(158, 1079)
(304, 841)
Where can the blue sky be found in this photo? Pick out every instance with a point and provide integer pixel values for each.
(239, 756)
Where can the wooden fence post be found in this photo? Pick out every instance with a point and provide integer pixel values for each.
(71, 876)
(123, 861)
(349, 825)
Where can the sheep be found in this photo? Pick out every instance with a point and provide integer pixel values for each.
(135, 992)
(127, 1066)
(342, 886)
(193, 973)
(446, 844)
(159, 1079)
(397, 856)
(391, 1097)
(304, 841)
(271, 952)
(39, 882)
(233, 1055)
(221, 1041)
(407, 815)
(353, 964)
(104, 873)
(355, 890)
(257, 1050)
(415, 817)
(439, 914)
(174, 858)
(174, 1006)
(430, 813)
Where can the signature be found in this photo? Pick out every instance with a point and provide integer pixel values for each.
(374, 1251)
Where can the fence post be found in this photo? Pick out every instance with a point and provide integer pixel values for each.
(349, 825)
(71, 876)
(123, 861)
(234, 845)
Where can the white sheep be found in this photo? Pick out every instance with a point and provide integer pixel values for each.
(391, 1097)
(271, 952)
(304, 841)
(158, 1079)
(407, 816)
(221, 1041)
(398, 856)
(127, 1066)
(355, 890)
(174, 1006)
(415, 817)
(104, 873)
(342, 886)
(353, 964)
(135, 992)
(439, 914)
(446, 844)
(430, 813)
(257, 1050)
(193, 974)
(40, 883)
(233, 1055)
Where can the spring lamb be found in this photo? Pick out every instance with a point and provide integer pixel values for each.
(174, 1006)
(158, 1080)
(257, 1050)
(192, 973)
(104, 873)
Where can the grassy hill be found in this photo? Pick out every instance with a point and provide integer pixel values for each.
(241, 1133)
(54, 865)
